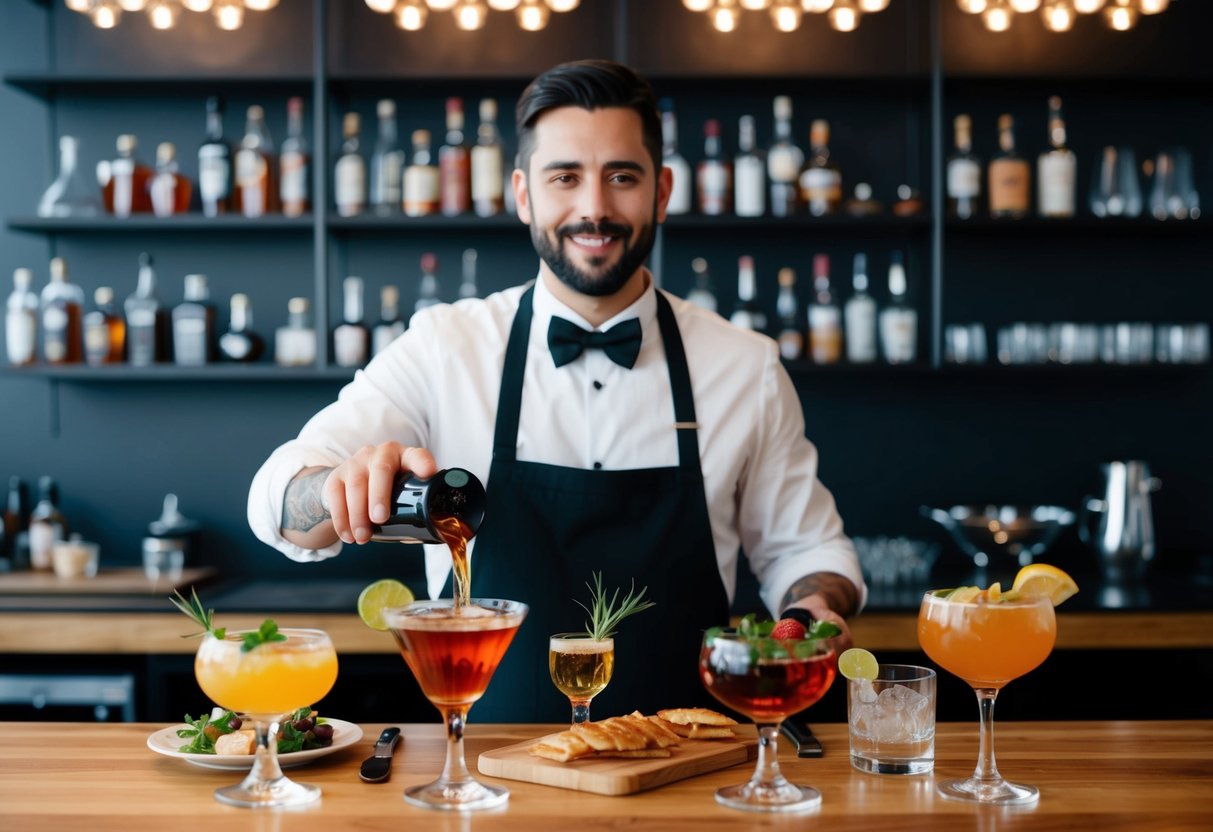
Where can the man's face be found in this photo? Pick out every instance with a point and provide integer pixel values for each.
(592, 197)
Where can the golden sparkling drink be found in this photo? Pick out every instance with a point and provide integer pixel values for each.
(581, 667)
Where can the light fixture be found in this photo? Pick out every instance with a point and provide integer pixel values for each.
(786, 15)
(260, 5)
(756, 5)
(698, 5)
(1025, 6)
(724, 15)
(873, 6)
(80, 6)
(972, 6)
(441, 5)
(532, 15)
(1088, 6)
(1154, 6)
(503, 5)
(410, 15)
(105, 14)
(229, 14)
(1121, 15)
(562, 6)
(470, 15)
(1058, 15)
(164, 14)
(132, 5)
(816, 6)
(381, 6)
(198, 5)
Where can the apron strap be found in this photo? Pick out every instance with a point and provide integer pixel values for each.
(509, 401)
(680, 387)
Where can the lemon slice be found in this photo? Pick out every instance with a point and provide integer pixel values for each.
(964, 594)
(995, 594)
(379, 596)
(857, 663)
(1043, 580)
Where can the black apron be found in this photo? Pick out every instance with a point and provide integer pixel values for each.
(547, 527)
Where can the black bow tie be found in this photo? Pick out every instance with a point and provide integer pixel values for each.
(621, 342)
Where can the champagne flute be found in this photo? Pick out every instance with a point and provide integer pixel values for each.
(581, 666)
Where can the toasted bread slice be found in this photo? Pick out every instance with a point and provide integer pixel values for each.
(610, 735)
(695, 716)
(699, 732)
(643, 752)
(236, 744)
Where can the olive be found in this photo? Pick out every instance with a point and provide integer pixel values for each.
(303, 725)
(234, 723)
(323, 733)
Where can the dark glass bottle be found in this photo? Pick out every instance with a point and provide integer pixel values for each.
(240, 343)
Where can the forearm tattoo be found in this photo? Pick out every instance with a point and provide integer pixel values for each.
(302, 509)
(838, 592)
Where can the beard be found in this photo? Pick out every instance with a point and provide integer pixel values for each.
(601, 282)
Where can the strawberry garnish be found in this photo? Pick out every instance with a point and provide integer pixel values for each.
(788, 629)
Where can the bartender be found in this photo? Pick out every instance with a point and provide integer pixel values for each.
(617, 427)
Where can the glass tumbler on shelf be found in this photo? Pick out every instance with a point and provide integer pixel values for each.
(69, 195)
(581, 667)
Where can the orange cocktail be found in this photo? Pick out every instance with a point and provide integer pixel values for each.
(271, 679)
(987, 644)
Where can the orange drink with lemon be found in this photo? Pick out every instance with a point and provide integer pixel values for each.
(272, 679)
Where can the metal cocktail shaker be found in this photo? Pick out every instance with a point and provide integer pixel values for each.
(452, 492)
(1124, 540)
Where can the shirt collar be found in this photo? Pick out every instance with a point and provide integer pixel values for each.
(545, 305)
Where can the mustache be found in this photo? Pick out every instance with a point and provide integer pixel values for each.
(603, 229)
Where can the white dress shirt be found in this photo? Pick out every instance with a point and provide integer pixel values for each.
(436, 387)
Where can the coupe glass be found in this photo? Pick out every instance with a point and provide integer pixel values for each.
(580, 666)
(263, 685)
(453, 653)
(767, 690)
(987, 645)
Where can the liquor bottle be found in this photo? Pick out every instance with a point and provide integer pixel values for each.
(784, 161)
(702, 294)
(62, 308)
(215, 163)
(898, 320)
(488, 177)
(295, 343)
(46, 524)
(964, 172)
(170, 191)
(104, 330)
(240, 343)
(147, 339)
(349, 180)
(467, 286)
(750, 189)
(747, 314)
(21, 320)
(422, 188)
(791, 339)
(69, 195)
(427, 290)
(713, 175)
(387, 163)
(825, 318)
(126, 192)
(293, 163)
(390, 326)
(1056, 169)
(680, 194)
(16, 524)
(351, 339)
(194, 325)
(859, 314)
(821, 179)
(455, 164)
(256, 194)
(1008, 175)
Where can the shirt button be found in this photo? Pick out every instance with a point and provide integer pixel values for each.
(598, 385)
(597, 465)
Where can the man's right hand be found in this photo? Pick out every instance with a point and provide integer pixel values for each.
(326, 504)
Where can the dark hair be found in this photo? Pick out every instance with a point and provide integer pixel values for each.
(589, 85)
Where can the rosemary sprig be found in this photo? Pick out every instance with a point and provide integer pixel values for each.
(267, 632)
(605, 615)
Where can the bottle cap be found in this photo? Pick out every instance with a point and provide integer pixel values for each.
(256, 112)
(386, 108)
(783, 107)
(103, 296)
(421, 138)
(165, 152)
(488, 109)
(171, 522)
(429, 262)
(22, 278)
(195, 287)
(58, 270)
(127, 143)
(351, 125)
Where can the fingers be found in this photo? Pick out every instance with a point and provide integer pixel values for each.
(360, 491)
(382, 470)
(419, 461)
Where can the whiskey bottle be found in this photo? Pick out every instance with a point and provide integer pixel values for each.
(126, 192)
(713, 175)
(898, 320)
(791, 339)
(1008, 175)
(349, 180)
(454, 163)
(194, 325)
(390, 326)
(680, 194)
(147, 339)
(467, 286)
(21, 320)
(488, 182)
(747, 314)
(295, 343)
(750, 191)
(46, 524)
(256, 195)
(170, 191)
(351, 339)
(387, 163)
(422, 189)
(240, 343)
(16, 524)
(62, 309)
(104, 330)
(702, 294)
(825, 318)
(214, 163)
(293, 163)
(1056, 169)
(427, 289)
(963, 173)
(821, 179)
(784, 161)
(859, 315)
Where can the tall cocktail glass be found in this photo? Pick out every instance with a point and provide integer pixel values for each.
(580, 666)
(987, 644)
(453, 653)
(739, 673)
(263, 685)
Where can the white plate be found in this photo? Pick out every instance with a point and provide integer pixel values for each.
(166, 742)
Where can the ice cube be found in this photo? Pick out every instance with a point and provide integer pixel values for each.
(864, 691)
(899, 711)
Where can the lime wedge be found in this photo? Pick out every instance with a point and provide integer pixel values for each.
(858, 663)
(379, 596)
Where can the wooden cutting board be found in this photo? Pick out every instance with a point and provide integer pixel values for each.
(619, 776)
(105, 582)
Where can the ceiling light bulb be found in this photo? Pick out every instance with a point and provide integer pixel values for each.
(697, 5)
(755, 5)
(381, 6)
(410, 15)
(1025, 6)
(81, 6)
(441, 5)
(470, 15)
(844, 17)
(563, 5)
(229, 15)
(997, 18)
(132, 5)
(724, 18)
(533, 15)
(1121, 16)
(198, 5)
(163, 14)
(816, 6)
(1088, 6)
(503, 5)
(873, 6)
(972, 6)
(260, 5)
(1058, 16)
(786, 17)
(105, 15)
(1153, 6)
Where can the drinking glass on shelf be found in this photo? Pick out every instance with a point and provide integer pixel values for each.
(965, 344)
(1115, 188)
(738, 672)
(1185, 202)
(453, 652)
(580, 667)
(987, 645)
(263, 685)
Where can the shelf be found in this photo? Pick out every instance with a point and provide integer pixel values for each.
(149, 222)
(838, 222)
(46, 84)
(434, 222)
(115, 374)
(1081, 224)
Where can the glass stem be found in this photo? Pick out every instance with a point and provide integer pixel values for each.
(987, 768)
(455, 770)
(265, 770)
(581, 710)
(767, 772)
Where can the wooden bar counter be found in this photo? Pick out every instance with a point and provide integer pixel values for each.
(1092, 775)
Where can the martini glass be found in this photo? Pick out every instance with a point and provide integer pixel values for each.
(453, 653)
(580, 667)
(263, 685)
